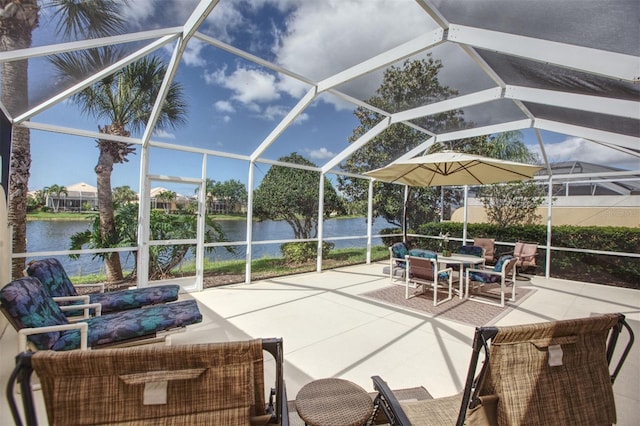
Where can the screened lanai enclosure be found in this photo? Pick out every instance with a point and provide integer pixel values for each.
(349, 85)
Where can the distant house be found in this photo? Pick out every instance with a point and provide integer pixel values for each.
(586, 200)
(79, 197)
(178, 203)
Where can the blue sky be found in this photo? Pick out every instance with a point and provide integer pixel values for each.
(233, 104)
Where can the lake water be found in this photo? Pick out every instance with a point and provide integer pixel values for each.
(51, 235)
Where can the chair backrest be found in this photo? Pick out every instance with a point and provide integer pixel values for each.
(214, 383)
(399, 250)
(526, 252)
(471, 250)
(489, 246)
(421, 268)
(26, 304)
(549, 373)
(53, 277)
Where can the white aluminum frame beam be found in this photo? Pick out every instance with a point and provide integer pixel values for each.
(593, 61)
(95, 78)
(597, 104)
(588, 133)
(53, 49)
(476, 98)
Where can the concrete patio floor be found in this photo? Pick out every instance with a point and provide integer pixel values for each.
(330, 331)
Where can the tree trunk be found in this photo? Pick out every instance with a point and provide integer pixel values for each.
(16, 25)
(105, 209)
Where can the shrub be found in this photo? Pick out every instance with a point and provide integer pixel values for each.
(301, 252)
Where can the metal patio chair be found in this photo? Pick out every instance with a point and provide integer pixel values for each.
(42, 325)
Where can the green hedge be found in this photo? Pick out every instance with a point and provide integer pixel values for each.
(602, 269)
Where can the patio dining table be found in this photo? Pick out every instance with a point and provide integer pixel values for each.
(462, 260)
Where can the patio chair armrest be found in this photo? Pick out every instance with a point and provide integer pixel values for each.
(101, 285)
(388, 402)
(482, 271)
(24, 332)
(83, 298)
(86, 310)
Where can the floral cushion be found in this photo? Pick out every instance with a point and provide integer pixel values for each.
(132, 323)
(52, 275)
(29, 305)
(399, 251)
(427, 254)
(470, 250)
(136, 298)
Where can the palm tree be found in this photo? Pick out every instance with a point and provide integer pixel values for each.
(56, 190)
(123, 195)
(126, 99)
(167, 197)
(19, 18)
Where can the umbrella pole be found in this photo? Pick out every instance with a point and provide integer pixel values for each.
(404, 215)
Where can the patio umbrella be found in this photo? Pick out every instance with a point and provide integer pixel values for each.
(449, 168)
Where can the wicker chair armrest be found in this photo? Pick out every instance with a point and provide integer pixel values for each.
(24, 332)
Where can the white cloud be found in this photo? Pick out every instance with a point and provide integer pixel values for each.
(163, 134)
(326, 37)
(321, 154)
(248, 85)
(191, 55)
(579, 149)
(139, 11)
(224, 106)
(226, 118)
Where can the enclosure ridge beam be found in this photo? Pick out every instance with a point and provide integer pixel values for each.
(594, 61)
(624, 141)
(597, 104)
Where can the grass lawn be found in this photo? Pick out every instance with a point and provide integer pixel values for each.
(232, 271)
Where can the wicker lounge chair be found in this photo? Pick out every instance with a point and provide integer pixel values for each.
(537, 374)
(208, 384)
(52, 275)
(42, 323)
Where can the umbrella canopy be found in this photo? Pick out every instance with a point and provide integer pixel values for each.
(453, 168)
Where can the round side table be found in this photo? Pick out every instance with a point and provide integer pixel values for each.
(334, 402)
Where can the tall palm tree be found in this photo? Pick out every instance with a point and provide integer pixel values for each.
(18, 20)
(125, 99)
